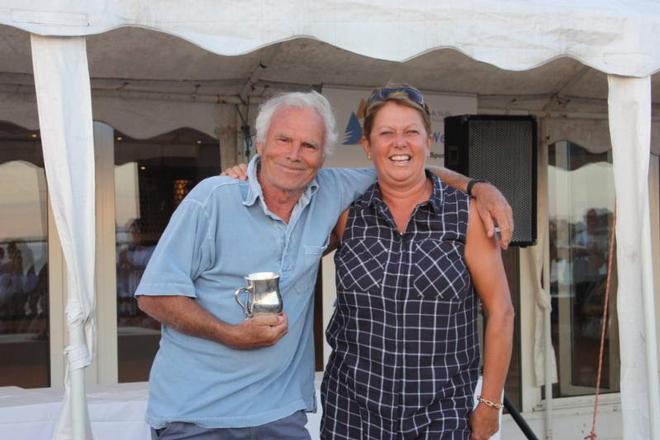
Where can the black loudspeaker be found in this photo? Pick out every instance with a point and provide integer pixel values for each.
(502, 150)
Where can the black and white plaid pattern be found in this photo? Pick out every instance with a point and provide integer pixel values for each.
(405, 349)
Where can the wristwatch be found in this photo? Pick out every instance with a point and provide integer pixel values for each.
(471, 184)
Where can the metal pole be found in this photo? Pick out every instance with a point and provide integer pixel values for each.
(547, 319)
(78, 399)
(547, 375)
(515, 415)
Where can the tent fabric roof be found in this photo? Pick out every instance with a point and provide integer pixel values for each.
(117, 62)
(611, 36)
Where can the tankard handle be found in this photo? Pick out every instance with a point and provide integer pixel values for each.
(237, 296)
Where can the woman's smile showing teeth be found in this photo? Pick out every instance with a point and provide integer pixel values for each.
(400, 158)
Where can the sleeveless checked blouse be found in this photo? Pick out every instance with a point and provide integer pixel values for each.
(405, 349)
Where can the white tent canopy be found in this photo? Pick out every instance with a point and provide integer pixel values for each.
(615, 37)
(552, 58)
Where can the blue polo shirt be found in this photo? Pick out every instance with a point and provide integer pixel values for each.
(219, 233)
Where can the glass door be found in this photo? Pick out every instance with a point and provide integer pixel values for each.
(581, 207)
(24, 305)
(152, 176)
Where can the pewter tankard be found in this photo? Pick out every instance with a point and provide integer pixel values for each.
(263, 294)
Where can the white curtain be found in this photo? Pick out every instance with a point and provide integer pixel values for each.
(62, 86)
(542, 306)
(630, 128)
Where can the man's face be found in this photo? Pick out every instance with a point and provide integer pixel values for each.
(292, 152)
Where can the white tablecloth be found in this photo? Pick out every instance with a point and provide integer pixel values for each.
(116, 412)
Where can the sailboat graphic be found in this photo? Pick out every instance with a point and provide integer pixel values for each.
(353, 131)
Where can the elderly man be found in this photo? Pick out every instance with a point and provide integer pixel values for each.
(217, 374)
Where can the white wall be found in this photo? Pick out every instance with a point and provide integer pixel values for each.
(570, 423)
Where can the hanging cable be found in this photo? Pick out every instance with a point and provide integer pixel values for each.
(245, 128)
(592, 435)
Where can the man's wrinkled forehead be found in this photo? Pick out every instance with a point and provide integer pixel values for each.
(298, 121)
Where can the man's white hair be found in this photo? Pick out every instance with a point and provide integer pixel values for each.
(313, 100)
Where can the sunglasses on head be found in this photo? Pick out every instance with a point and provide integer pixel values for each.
(382, 94)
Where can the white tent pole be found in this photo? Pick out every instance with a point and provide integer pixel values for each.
(79, 413)
(61, 79)
(629, 103)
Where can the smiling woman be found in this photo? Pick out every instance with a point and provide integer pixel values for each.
(399, 144)
(404, 333)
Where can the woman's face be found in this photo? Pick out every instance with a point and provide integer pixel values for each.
(398, 145)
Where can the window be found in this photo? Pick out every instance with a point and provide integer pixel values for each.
(24, 321)
(152, 176)
(581, 206)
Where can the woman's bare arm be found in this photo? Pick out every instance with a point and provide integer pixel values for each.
(484, 262)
